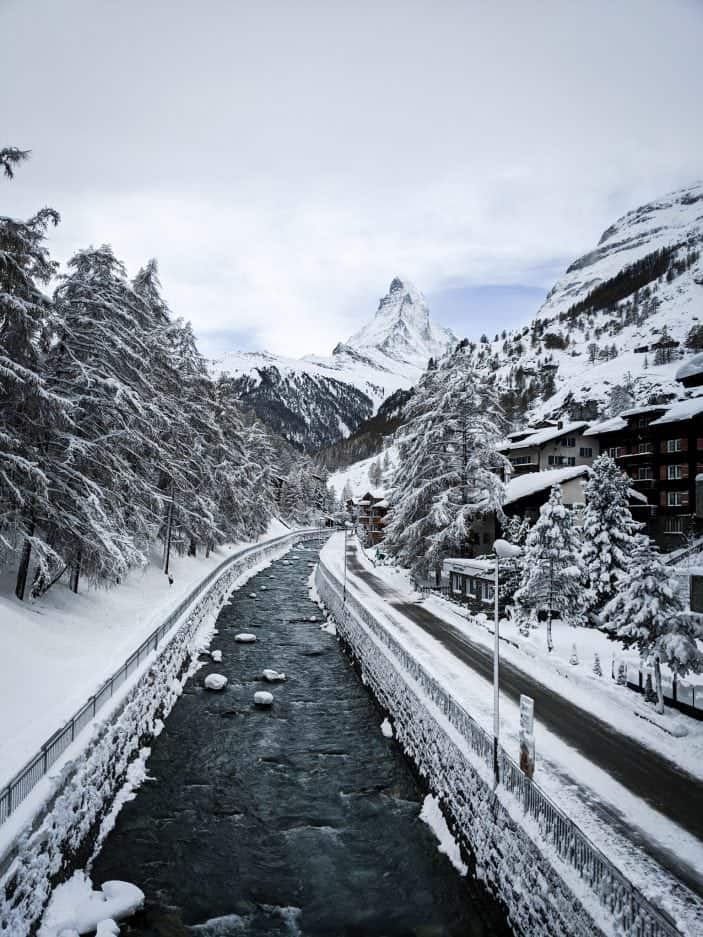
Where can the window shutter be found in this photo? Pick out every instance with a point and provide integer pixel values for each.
(663, 469)
(684, 471)
(684, 444)
(662, 445)
(662, 499)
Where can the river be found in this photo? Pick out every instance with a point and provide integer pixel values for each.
(302, 819)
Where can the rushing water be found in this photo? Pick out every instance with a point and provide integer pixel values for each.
(301, 819)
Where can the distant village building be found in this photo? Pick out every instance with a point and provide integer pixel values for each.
(369, 514)
(690, 374)
(554, 445)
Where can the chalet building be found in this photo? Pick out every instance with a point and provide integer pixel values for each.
(524, 496)
(661, 449)
(551, 446)
(471, 582)
(369, 514)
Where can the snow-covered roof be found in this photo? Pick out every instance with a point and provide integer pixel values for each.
(542, 436)
(532, 482)
(649, 408)
(691, 367)
(607, 426)
(681, 410)
(464, 565)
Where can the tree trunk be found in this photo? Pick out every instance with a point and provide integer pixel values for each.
(76, 573)
(169, 533)
(25, 555)
(550, 645)
(658, 684)
(192, 548)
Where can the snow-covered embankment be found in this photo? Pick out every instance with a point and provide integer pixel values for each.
(87, 792)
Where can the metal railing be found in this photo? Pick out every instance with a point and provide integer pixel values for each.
(635, 914)
(12, 795)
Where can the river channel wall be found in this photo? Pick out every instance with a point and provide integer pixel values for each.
(551, 881)
(64, 834)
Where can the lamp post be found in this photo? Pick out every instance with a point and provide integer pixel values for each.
(503, 550)
(344, 596)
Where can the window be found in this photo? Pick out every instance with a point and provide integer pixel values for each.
(674, 471)
(487, 591)
(561, 460)
(570, 441)
(521, 460)
(645, 472)
(586, 452)
(673, 445)
(471, 586)
(456, 583)
(644, 447)
(673, 525)
(677, 499)
(616, 451)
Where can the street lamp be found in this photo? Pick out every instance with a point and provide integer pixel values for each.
(503, 551)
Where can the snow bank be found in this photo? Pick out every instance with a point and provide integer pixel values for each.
(434, 818)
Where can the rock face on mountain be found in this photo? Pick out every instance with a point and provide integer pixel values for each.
(616, 327)
(314, 401)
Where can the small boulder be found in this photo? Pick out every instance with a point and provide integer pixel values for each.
(245, 638)
(263, 698)
(273, 676)
(215, 681)
(216, 656)
(252, 595)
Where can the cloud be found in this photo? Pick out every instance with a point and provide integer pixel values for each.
(284, 161)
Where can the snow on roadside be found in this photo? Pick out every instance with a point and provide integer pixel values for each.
(76, 908)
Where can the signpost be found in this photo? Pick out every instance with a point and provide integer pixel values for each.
(527, 735)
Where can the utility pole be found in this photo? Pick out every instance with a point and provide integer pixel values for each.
(344, 595)
(169, 529)
(503, 550)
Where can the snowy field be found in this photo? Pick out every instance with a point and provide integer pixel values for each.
(586, 792)
(357, 475)
(58, 650)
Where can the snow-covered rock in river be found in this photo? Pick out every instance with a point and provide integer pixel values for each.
(215, 681)
(216, 656)
(263, 698)
(316, 400)
(76, 908)
(273, 676)
(245, 638)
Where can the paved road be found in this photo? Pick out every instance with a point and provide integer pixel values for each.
(646, 774)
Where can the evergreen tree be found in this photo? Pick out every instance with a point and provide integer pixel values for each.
(608, 529)
(597, 669)
(622, 674)
(347, 493)
(553, 575)
(574, 659)
(647, 613)
(448, 475)
(27, 406)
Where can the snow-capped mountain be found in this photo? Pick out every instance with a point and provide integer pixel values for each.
(316, 400)
(624, 314)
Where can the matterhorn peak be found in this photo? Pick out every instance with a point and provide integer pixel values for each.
(401, 328)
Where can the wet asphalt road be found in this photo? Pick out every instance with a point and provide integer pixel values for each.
(299, 820)
(646, 774)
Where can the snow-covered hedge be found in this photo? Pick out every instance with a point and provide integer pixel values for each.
(70, 829)
(549, 886)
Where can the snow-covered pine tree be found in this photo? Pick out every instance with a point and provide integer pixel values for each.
(622, 674)
(347, 493)
(647, 613)
(449, 474)
(553, 576)
(608, 529)
(597, 669)
(27, 407)
(574, 659)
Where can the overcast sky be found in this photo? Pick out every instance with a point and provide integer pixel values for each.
(284, 160)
